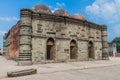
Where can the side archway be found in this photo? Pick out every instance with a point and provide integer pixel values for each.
(91, 50)
(50, 49)
(73, 49)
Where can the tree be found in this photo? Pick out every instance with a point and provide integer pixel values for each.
(117, 41)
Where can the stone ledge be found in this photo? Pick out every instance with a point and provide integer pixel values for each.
(24, 63)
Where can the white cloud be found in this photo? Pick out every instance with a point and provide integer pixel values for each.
(57, 6)
(109, 12)
(60, 4)
(2, 32)
(8, 19)
(54, 9)
(104, 9)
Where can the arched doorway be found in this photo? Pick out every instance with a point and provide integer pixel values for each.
(50, 49)
(91, 50)
(73, 49)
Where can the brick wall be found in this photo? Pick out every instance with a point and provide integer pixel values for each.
(117, 55)
(14, 41)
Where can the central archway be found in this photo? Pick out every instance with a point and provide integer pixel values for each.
(73, 49)
(50, 49)
(90, 50)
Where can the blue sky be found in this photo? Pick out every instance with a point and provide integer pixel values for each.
(99, 11)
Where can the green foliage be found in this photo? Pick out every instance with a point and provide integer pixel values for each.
(117, 41)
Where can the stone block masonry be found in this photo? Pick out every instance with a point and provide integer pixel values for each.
(57, 37)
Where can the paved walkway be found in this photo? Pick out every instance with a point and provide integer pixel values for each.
(9, 65)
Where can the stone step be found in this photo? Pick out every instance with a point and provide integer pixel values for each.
(25, 54)
(24, 59)
(91, 59)
(49, 61)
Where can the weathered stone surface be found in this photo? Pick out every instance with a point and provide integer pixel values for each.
(22, 73)
(79, 16)
(38, 27)
(41, 8)
(61, 13)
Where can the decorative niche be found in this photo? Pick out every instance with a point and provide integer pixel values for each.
(39, 28)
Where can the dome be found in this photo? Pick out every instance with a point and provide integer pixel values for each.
(61, 13)
(41, 8)
(79, 16)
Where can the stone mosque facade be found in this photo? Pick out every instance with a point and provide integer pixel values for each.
(41, 36)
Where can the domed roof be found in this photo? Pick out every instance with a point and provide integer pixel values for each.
(79, 16)
(41, 8)
(61, 13)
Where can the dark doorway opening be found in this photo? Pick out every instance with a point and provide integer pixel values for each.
(73, 49)
(91, 50)
(50, 49)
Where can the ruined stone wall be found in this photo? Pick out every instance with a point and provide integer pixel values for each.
(14, 41)
(11, 42)
(28, 40)
(63, 32)
(6, 45)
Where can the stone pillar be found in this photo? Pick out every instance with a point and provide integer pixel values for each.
(25, 55)
(105, 55)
